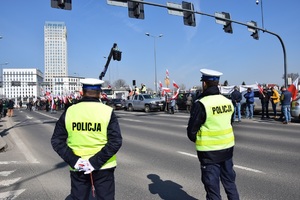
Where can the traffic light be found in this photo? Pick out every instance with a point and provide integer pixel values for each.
(254, 31)
(62, 4)
(117, 55)
(188, 17)
(136, 10)
(221, 19)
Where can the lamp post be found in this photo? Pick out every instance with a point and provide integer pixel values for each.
(262, 12)
(155, 73)
(1, 65)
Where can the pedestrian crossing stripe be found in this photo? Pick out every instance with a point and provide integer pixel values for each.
(9, 182)
(6, 173)
(11, 194)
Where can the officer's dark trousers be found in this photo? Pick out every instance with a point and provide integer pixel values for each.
(81, 186)
(211, 175)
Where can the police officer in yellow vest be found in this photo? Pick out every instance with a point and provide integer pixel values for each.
(209, 127)
(87, 137)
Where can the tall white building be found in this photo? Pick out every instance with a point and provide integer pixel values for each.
(22, 83)
(55, 51)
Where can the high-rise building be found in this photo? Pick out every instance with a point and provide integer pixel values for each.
(55, 51)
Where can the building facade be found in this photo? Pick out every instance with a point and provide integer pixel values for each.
(66, 85)
(55, 52)
(22, 84)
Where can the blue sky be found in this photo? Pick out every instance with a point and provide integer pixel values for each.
(93, 26)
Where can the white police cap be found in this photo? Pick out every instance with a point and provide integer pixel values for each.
(91, 83)
(210, 75)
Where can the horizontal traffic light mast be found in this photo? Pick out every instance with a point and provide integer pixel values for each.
(187, 11)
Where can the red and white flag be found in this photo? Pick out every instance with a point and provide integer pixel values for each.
(260, 88)
(167, 73)
(294, 88)
(160, 84)
(175, 85)
(176, 94)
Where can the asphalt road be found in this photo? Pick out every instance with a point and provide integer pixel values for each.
(156, 161)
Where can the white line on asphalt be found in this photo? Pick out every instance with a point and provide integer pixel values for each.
(9, 182)
(132, 120)
(9, 162)
(6, 173)
(11, 194)
(29, 157)
(237, 166)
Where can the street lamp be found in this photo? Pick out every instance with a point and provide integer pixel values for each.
(155, 73)
(1, 64)
(262, 12)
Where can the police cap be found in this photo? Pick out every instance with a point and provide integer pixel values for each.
(210, 75)
(91, 84)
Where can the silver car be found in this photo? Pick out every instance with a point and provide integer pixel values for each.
(295, 108)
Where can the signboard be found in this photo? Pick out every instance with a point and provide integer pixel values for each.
(174, 12)
(122, 3)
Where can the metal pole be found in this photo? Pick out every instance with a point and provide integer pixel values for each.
(155, 73)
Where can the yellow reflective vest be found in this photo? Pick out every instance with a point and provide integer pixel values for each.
(216, 133)
(86, 123)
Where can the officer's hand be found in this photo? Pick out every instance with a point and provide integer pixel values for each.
(80, 164)
(88, 168)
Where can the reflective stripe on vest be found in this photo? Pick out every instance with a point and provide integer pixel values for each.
(87, 129)
(216, 133)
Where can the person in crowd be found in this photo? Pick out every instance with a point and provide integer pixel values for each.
(236, 97)
(172, 105)
(136, 90)
(20, 104)
(1, 107)
(210, 120)
(189, 103)
(285, 99)
(87, 137)
(249, 96)
(10, 108)
(275, 99)
(30, 105)
(5, 105)
(143, 88)
(264, 99)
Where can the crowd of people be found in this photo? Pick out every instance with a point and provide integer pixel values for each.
(266, 97)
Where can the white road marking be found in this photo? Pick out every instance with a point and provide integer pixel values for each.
(9, 162)
(9, 182)
(6, 173)
(132, 120)
(11, 194)
(237, 166)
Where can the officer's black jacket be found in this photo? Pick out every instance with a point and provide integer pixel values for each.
(60, 136)
(197, 118)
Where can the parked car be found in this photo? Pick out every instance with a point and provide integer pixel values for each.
(117, 104)
(295, 107)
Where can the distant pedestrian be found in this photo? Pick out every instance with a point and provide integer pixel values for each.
(20, 104)
(264, 99)
(173, 105)
(10, 108)
(275, 99)
(236, 98)
(286, 98)
(249, 96)
(189, 103)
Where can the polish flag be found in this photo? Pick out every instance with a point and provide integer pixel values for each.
(176, 94)
(294, 88)
(167, 73)
(175, 85)
(160, 84)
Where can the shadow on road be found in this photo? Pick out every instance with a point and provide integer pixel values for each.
(167, 190)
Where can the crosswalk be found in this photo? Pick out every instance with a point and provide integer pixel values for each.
(7, 179)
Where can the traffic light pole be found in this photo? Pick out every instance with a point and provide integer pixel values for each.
(228, 20)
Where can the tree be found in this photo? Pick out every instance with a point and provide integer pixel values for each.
(182, 86)
(120, 83)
